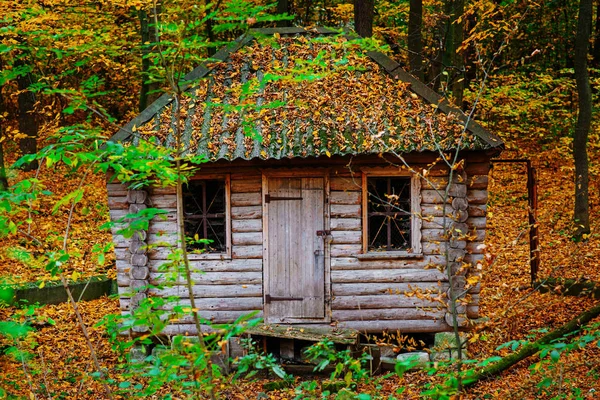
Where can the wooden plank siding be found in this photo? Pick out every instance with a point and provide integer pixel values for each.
(368, 294)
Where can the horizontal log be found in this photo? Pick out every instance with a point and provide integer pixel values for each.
(207, 304)
(245, 199)
(162, 227)
(246, 225)
(345, 183)
(247, 251)
(387, 275)
(345, 224)
(477, 210)
(215, 317)
(118, 203)
(242, 173)
(218, 304)
(477, 182)
(479, 168)
(430, 196)
(170, 215)
(116, 187)
(346, 237)
(434, 182)
(168, 190)
(162, 202)
(202, 278)
(246, 212)
(476, 247)
(435, 210)
(246, 238)
(441, 235)
(204, 291)
(477, 197)
(382, 301)
(337, 197)
(362, 289)
(407, 326)
(350, 263)
(345, 250)
(394, 314)
(253, 265)
(476, 222)
(246, 185)
(345, 211)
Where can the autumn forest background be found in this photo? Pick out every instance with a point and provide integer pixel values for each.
(73, 72)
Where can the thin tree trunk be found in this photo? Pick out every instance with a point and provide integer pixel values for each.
(148, 92)
(584, 119)
(458, 57)
(415, 38)
(363, 17)
(3, 178)
(532, 348)
(28, 124)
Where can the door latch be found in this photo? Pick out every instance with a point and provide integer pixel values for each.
(323, 233)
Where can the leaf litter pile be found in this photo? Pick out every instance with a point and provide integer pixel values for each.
(59, 363)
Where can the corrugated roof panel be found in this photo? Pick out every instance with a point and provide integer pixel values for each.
(291, 97)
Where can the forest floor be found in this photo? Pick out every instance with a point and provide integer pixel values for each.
(59, 362)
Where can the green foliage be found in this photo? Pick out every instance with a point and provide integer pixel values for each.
(255, 360)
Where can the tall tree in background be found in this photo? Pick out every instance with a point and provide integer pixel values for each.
(28, 124)
(415, 38)
(363, 17)
(3, 178)
(148, 90)
(584, 118)
(458, 61)
(283, 7)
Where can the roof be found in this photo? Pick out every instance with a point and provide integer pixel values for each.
(251, 103)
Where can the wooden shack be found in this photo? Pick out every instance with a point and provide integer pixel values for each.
(327, 203)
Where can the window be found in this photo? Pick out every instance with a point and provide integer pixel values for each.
(389, 213)
(206, 215)
(390, 208)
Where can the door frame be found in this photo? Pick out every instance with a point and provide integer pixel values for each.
(297, 173)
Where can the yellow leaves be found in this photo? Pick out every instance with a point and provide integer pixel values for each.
(42, 285)
(75, 276)
(473, 279)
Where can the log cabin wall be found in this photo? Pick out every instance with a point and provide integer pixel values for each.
(370, 295)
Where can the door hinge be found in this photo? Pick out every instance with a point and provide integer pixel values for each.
(323, 233)
(269, 198)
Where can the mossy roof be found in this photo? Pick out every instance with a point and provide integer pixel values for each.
(302, 93)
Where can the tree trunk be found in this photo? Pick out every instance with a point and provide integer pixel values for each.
(532, 348)
(28, 124)
(584, 118)
(283, 7)
(415, 38)
(363, 17)
(3, 178)
(458, 61)
(148, 91)
(596, 49)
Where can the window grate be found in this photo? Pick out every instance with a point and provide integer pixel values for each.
(204, 215)
(389, 213)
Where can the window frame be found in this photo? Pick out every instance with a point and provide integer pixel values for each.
(226, 255)
(415, 211)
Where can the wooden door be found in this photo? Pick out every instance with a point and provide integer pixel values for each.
(295, 249)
